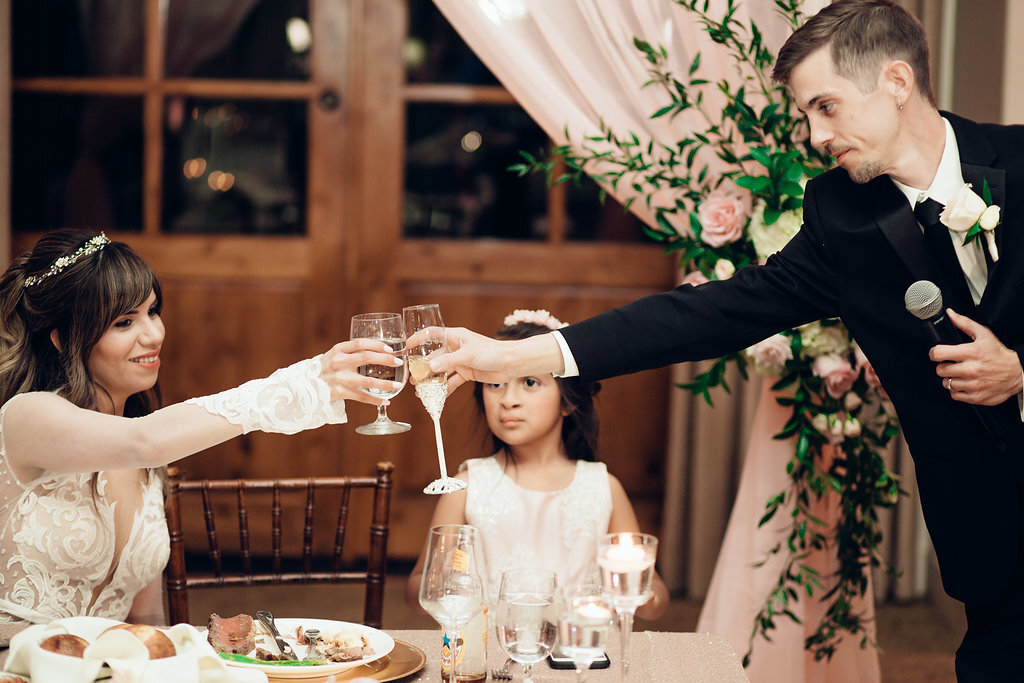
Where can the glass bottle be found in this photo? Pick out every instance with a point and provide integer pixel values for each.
(464, 651)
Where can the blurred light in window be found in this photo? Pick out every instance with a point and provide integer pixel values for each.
(299, 35)
(471, 141)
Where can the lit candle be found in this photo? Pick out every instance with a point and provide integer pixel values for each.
(591, 611)
(625, 558)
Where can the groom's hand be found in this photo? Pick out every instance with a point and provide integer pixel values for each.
(982, 371)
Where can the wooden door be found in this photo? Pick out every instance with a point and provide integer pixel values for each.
(276, 161)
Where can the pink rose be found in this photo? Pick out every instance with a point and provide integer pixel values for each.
(721, 217)
(837, 372)
(695, 277)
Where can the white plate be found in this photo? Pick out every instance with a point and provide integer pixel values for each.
(381, 643)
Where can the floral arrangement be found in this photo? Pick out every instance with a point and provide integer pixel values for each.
(718, 223)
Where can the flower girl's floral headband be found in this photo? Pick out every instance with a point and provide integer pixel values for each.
(538, 317)
(90, 247)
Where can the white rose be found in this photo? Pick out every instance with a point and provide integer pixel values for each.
(989, 218)
(770, 355)
(837, 429)
(820, 422)
(851, 427)
(851, 401)
(963, 210)
(724, 269)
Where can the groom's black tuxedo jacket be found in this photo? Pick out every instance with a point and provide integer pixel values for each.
(858, 251)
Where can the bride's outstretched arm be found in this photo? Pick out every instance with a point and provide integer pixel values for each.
(42, 431)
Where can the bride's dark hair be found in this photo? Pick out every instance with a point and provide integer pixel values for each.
(79, 302)
(580, 425)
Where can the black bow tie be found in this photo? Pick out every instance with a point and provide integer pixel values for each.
(927, 212)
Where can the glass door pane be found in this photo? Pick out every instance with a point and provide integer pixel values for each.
(76, 162)
(235, 166)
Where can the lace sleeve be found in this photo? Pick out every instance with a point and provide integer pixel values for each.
(290, 400)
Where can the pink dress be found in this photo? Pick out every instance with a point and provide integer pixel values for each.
(738, 589)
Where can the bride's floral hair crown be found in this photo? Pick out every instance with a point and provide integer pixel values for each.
(537, 317)
(90, 247)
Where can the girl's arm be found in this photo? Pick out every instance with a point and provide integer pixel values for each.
(624, 520)
(148, 605)
(450, 509)
(42, 431)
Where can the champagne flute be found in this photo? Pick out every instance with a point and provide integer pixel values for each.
(426, 329)
(587, 617)
(627, 567)
(451, 590)
(527, 616)
(390, 329)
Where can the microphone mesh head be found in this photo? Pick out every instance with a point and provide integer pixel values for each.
(923, 299)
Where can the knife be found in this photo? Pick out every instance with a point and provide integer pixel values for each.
(267, 619)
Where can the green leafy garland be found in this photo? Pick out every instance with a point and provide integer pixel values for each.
(819, 372)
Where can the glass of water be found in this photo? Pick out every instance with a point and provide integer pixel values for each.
(526, 616)
(390, 329)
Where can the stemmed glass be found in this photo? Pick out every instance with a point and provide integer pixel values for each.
(426, 329)
(527, 616)
(583, 625)
(627, 567)
(390, 329)
(451, 590)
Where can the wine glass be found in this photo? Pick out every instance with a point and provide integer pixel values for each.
(451, 590)
(583, 625)
(390, 329)
(627, 567)
(527, 616)
(426, 329)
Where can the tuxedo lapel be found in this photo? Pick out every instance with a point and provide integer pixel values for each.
(896, 221)
(977, 156)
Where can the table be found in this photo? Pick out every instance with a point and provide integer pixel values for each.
(656, 657)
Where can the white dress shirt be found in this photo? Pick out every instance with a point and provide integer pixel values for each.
(948, 179)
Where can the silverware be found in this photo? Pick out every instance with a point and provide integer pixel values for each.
(503, 673)
(312, 634)
(267, 619)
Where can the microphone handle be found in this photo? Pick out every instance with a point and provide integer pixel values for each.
(943, 331)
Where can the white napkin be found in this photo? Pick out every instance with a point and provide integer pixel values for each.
(124, 654)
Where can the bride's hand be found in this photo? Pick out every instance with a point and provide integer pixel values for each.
(340, 369)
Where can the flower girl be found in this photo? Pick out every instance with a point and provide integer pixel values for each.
(541, 500)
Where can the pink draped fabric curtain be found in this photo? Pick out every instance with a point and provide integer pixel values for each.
(571, 64)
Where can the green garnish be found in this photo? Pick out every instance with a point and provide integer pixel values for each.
(284, 662)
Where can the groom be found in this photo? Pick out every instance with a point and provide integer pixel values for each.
(859, 71)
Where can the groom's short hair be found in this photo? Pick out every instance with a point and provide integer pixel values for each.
(861, 35)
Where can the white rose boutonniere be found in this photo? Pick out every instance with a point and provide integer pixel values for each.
(968, 213)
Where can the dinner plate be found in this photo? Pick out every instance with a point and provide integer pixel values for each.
(381, 643)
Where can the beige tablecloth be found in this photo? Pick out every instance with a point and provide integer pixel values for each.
(657, 656)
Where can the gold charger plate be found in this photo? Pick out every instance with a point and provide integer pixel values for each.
(404, 660)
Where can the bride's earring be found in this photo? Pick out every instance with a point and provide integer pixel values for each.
(899, 104)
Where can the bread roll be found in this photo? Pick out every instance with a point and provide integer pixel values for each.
(155, 640)
(65, 644)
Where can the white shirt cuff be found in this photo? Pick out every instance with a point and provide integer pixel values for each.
(570, 369)
(1020, 404)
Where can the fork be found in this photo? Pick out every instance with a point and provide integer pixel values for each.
(311, 634)
(503, 673)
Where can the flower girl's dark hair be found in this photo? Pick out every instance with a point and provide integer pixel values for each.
(580, 425)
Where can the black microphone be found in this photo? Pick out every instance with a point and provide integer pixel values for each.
(924, 301)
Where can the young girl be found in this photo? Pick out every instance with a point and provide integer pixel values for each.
(541, 500)
(82, 527)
